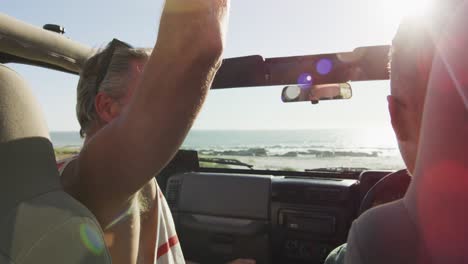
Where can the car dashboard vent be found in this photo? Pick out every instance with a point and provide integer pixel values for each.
(172, 192)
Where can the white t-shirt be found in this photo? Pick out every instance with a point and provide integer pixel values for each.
(168, 250)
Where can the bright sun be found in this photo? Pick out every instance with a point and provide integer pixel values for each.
(398, 9)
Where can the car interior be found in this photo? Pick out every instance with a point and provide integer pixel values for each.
(37, 215)
(272, 216)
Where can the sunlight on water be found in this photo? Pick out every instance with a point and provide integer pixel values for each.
(374, 148)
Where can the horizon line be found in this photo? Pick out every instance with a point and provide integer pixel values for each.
(247, 129)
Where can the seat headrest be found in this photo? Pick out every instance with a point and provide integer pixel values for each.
(39, 222)
(20, 114)
(27, 161)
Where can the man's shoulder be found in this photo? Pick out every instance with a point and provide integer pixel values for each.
(150, 189)
(395, 230)
(148, 195)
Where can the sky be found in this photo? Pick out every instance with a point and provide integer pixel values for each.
(270, 28)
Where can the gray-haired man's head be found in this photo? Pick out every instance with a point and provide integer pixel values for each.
(124, 67)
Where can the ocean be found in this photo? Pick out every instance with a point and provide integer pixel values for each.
(287, 149)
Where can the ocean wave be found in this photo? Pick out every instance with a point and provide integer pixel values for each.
(251, 152)
(265, 152)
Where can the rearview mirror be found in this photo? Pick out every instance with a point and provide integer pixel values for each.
(316, 93)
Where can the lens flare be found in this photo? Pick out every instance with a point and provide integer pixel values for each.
(123, 216)
(91, 239)
(399, 9)
(305, 79)
(324, 66)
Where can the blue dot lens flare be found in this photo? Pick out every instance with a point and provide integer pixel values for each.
(324, 66)
(91, 239)
(305, 79)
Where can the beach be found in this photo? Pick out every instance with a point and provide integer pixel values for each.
(279, 150)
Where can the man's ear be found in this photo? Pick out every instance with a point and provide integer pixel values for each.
(106, 107)
(398, 122)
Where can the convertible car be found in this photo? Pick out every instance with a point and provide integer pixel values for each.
(286, 196)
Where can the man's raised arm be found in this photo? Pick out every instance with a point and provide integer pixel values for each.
(129, 151)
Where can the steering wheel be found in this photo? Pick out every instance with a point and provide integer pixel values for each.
(390, 188)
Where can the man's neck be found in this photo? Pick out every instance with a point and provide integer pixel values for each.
(90, 133)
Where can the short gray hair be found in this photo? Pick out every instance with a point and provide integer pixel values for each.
(114, 83)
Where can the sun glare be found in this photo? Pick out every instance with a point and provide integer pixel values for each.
(398, 9)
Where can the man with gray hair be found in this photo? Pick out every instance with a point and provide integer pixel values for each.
(135, 109)
(113, 85)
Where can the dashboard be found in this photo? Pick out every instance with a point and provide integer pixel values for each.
(310, 217)
(221, 215)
